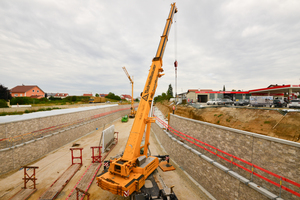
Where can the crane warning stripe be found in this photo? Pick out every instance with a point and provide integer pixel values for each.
(126, 193)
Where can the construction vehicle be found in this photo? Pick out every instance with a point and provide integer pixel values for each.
(97, 100)
(127, 174)
(132, 112)
(124, 119)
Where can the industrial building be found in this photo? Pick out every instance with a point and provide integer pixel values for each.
(277, 91)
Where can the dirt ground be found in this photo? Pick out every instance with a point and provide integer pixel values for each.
(52, 165)
(263, 121)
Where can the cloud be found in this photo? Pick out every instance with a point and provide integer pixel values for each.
(81, 46)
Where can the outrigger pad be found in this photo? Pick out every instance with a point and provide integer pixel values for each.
(165, 166)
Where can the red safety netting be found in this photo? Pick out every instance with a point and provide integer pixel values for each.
(203, 146)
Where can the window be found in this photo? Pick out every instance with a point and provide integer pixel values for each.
(20, 95)
(32, 90)
(37, 91)
(16, 95)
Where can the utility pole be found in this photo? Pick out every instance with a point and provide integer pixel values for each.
(175, 65)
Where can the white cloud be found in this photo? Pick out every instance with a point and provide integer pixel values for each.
(80, 46)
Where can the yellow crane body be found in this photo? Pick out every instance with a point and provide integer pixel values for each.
(128, 173)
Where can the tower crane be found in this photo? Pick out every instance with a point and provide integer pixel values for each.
(132, 112)
(127, 175)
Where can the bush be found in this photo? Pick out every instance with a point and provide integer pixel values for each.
(3, 103)
(21, 100)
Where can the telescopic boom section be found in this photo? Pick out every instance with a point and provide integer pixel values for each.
(132, 149)
(128, 173)
(132, 112)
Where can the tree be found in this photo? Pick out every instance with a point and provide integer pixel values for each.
(224, 88)
(165, 96)
(170, 92)
(96, 95)
(113, 96)
(5, 93)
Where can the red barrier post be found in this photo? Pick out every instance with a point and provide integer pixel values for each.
(78, 157)
(28, 177)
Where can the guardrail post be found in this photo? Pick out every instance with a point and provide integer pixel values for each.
(252, 173)
(231, 162)
(280, 186)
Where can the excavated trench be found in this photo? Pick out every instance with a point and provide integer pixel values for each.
(270, 122)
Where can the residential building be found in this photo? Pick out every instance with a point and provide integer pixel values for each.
(32, 91)
(126, 96)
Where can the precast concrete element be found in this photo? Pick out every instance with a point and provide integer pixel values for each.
(108, 136)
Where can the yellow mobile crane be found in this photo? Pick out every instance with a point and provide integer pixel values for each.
(127, 174)
(132, 112)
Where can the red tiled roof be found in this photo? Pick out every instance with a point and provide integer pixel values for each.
(61, 94)
(22, 88)
(126, 96)
(103, 95)
(88, 95)
(192, 90)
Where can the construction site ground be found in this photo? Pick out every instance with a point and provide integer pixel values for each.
(52, 165)
(274, 122)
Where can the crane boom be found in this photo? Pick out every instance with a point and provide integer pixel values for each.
(132, 112)
(128, 173)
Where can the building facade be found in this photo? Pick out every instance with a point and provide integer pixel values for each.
(32, 91)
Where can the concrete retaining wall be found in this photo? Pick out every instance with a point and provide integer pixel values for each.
(16, 157)
(278, 156)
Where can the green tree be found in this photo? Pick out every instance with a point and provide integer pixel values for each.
(113, 96)
(170, 92)
(5, 93)
(96, 95)
(224, 88)
(3, 103)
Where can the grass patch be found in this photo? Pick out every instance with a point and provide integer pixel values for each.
(227, 120)
(267, 122)
(220, 115)
(218, 122)
(215, 114)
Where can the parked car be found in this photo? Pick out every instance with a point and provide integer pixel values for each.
(295, 103)
(225, 102)
(279, 103)
(212, 102)
(243, 102)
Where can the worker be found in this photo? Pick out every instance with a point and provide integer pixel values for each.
(173, 109)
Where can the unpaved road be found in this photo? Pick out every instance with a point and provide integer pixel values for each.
(52, 165)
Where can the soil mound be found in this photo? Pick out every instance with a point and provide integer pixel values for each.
(267, 122)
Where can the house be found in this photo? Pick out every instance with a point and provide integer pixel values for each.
(88, 95)
(57, 95)
(32, 91)
(103, 95)
(126, 96)
(61, 95)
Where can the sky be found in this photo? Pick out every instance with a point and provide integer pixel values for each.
(78, 47)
